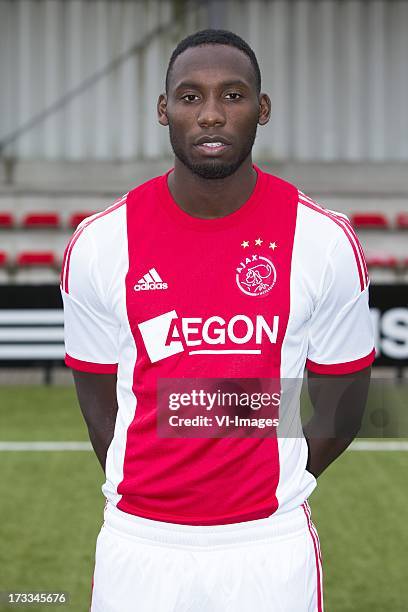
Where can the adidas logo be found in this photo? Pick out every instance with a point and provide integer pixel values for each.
(151, 280)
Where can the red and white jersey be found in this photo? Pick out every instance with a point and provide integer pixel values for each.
(151, 292)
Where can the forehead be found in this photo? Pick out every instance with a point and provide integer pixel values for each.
(211, 63)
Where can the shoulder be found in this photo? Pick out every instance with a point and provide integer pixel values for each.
(334, 227)
(311, 217)
(99, 245)
(278, 188)
(94, 238)
(103, 224)
(97, 224)
(314, 222)
(330, 234)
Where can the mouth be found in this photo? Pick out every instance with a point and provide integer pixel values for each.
(212, 148)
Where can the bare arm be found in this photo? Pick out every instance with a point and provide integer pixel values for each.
(98, 401)
(338, 403)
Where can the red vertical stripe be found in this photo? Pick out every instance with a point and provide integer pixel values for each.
(161, 478)
(318, 559)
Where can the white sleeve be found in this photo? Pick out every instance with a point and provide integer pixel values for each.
(91, 332)
(341, 335)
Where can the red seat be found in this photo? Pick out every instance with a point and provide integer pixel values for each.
(76, 218)
(41, 220)
(3, 258)
(369, 221)
(6, 220)
(402, 221)
(382, 261)
(36, 258)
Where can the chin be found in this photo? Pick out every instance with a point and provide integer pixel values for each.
(214, 169)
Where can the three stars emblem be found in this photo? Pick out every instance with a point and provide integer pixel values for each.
(258, 242)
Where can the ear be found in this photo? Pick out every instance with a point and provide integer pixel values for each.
(162, 110)
(264, 109)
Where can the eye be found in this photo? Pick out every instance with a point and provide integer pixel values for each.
(189, 97)
(235, 95)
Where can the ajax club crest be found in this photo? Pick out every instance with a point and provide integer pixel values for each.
(256, 275)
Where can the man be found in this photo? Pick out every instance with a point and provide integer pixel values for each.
(215, 270)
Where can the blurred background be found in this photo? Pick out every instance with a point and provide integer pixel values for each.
(79, 81)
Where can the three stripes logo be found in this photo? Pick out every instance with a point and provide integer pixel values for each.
(150, 281)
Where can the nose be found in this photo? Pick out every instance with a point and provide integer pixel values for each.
(211, 113)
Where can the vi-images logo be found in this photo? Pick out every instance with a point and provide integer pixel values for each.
(150, 281)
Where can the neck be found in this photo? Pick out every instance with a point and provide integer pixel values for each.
(211, 198)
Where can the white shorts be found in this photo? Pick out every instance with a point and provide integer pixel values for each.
(267, 565)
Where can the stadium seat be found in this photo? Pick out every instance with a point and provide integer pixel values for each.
(382, 261)
(402, 221)
(76, 218)
(3, 258)
(36, 259)
(6, 220)
(369, 221)
(41, 220)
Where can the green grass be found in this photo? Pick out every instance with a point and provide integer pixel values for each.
(51, 504)
(360, 509)
(40, 413)
(50, 516)
(51, 511)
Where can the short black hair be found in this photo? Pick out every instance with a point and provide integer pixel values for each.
(215, 37)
